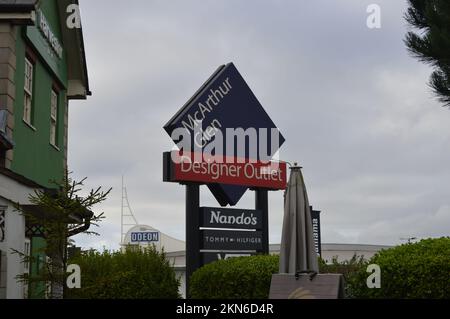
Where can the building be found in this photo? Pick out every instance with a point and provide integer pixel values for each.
(144, 236)
(42, 68)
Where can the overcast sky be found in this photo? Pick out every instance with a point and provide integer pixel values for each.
(353, 106)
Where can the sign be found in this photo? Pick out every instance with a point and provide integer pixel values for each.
(144, 237)
(212, 257)
(231, 218)
(44, 38)
(315, 217)
(305, 286)
(231, 240)
(2, 225)
(53, 41)
(224, 102)
(185, 168)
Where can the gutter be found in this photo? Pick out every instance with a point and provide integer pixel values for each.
(18, 13)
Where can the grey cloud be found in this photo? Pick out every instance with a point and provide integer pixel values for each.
(352, 104)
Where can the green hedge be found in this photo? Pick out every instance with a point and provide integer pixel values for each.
(250, 277)
(348, 268)
(235, 278)
(133, 274)
(418, 270)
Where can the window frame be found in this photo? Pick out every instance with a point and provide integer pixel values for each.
(2, 224)
(28, 88)
(26, 265)
(54, 93)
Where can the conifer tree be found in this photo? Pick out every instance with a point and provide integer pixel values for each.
(59, 214)
(432, 44)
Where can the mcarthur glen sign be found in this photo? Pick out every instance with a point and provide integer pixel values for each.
(225, 140)
(224, 118)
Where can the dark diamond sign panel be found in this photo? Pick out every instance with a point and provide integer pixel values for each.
(225, 101)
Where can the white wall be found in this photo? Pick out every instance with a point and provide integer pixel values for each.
(12, 192)
(2, 275)
(14, 239)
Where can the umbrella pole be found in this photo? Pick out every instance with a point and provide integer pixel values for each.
(262, 203)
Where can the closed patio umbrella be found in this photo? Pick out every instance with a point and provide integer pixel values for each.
(297, 251)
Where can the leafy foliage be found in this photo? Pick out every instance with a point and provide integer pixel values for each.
(60, 214)
(414, 270)
(235, 278)
(348, 268)
(250, 277)
(432, 46)
(133, 274)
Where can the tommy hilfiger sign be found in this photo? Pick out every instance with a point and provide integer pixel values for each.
(231, 240)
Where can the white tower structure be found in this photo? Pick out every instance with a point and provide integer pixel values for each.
(127, 217)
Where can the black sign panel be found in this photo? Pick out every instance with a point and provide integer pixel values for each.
(231, 240)
(315, 216)
(211, 257)
(231, 218)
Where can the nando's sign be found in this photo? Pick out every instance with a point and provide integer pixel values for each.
(231, 218)
(224, 118)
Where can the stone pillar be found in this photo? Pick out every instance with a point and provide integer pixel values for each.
(8, 33)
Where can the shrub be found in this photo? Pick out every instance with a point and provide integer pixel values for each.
(133, 274)
(235, 278)
(250, 277)
(418, 270)
(348, 268)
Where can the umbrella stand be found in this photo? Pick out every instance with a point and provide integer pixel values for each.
(297, 251)
(299, 276)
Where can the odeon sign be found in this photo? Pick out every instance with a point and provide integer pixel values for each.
(144, 237)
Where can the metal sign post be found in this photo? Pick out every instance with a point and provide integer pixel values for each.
(193, 258)
(213, 109)
(262, 204)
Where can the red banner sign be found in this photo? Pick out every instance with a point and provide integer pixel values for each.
(208, 169)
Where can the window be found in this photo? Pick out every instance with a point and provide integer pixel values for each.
(26, 264)
(27, 252)
(2, 224)
(54, 119)
(28, 94)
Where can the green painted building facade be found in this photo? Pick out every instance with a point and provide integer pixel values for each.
(35, 155)
(42, 68)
